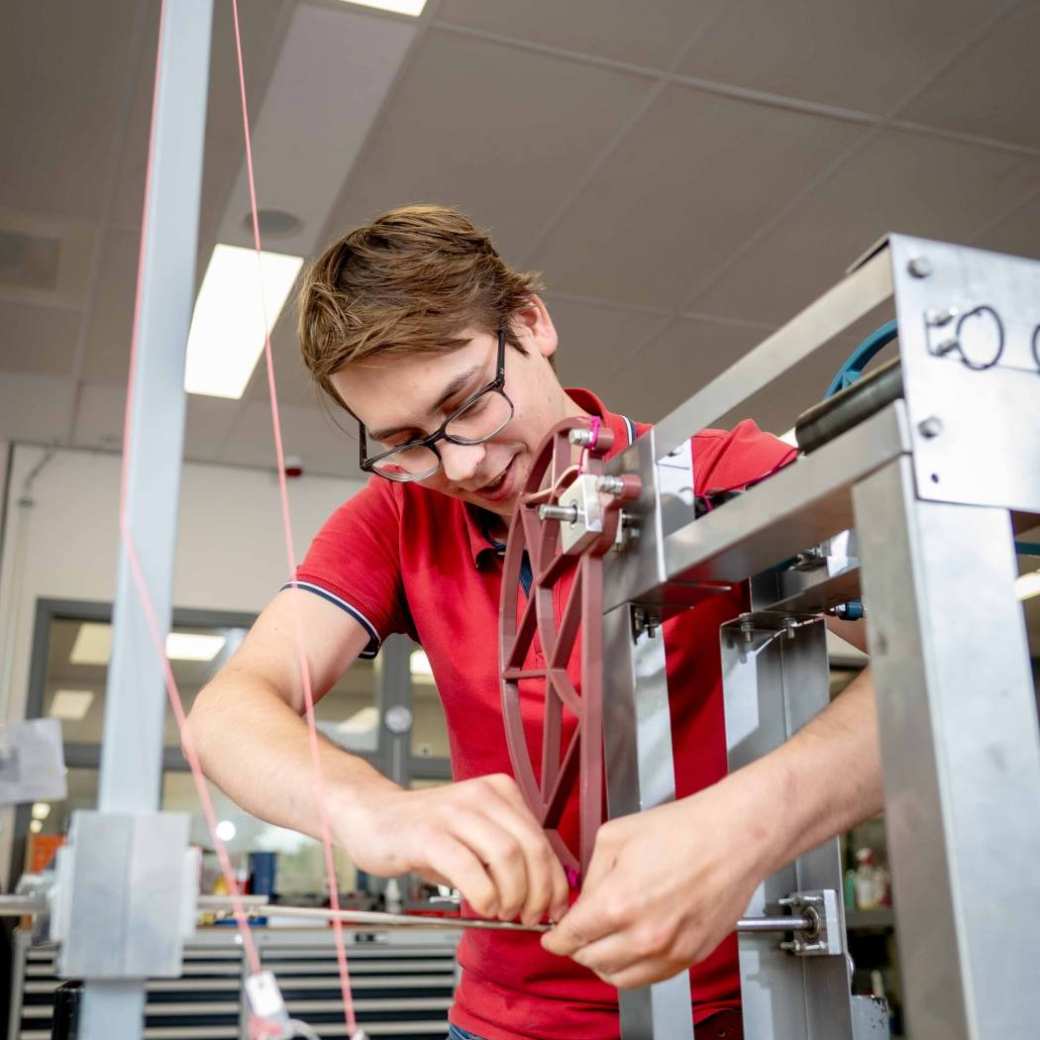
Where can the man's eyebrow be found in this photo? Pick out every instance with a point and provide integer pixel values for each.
(460, 382)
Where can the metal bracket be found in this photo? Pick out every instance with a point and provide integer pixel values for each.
(124, 895)
(827, 936)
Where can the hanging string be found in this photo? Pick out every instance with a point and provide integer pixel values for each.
(301, 653)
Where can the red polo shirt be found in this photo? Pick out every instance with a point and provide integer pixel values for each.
(402, 558)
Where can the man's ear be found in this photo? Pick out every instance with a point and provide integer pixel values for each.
(534, 326)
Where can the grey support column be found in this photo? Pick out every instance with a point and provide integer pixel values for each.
(394, 702)
(959, 744)
(775, 679)
(131, 760)
(640, 769)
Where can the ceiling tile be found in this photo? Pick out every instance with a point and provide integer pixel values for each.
(37, 339)
(307, 432)
(262, 28)
(63, 71)
(34, 407)
(902, 182)
(672, 368)
(499, 132)
(867, 57)
(107, 355)
(596, 338)
(1018, 233)
(684, 189)
(100, 414)
(992, 90)
(294, 383)
(649, 33)
(207, 424)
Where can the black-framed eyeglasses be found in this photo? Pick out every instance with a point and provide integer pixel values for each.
(476, 420)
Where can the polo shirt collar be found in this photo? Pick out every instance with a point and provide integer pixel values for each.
(478, 521)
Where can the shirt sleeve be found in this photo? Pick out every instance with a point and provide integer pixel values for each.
(354, 562)
(730, 460)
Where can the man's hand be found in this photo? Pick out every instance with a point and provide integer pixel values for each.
(478, 836)
(665, 887)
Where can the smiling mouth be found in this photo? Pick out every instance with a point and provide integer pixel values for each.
(496, 484)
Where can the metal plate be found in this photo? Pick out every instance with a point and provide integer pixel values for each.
(984, 447)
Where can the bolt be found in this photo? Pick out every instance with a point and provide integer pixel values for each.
(919, 266)
(610, 485)
(930, 427)
(569, 514)
(790, 624)
(581, 437)
(936, 316)
(747, 627)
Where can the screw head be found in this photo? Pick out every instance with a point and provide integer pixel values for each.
(919, 266)
(930, 427)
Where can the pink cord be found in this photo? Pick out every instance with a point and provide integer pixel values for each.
(301, 653)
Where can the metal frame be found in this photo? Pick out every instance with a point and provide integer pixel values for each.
(932, 513)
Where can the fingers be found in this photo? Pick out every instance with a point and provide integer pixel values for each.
(454, 861)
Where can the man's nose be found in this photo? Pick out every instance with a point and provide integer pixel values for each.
(460, 461)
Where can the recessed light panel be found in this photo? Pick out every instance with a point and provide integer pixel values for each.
(93, 644)
(233, 315)
(71, 705)
(413, 8)
(187, 646)
(1028, 585)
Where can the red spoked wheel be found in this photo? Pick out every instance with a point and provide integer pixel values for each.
(581, 761)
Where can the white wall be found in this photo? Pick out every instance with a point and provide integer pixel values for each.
(230, 550)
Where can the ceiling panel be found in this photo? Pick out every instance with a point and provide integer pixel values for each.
(306, 432)
(650, 33)
(672, 368)
(33, 407)
(37, 339)
(499, 132)
(864, 56)
(1018, 233)
(63, 74)
(262, 24)
(100, 414)
(107, 354)
(902, 182)
(684, 189)
(595, 339)
(992, 90)
(294, 382)
(207, 424)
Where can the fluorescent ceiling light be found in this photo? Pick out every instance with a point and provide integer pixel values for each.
(41, 810)
(228, 327)
(188, 646)
(93, 644)
(1027, 585)
(72, 705)
(409, 7)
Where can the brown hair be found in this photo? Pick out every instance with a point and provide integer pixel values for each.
(408, 283)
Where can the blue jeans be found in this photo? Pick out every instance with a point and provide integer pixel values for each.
(454, 1033)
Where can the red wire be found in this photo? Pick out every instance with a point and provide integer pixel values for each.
(301, 653)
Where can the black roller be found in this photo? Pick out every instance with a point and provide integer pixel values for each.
(866, 397)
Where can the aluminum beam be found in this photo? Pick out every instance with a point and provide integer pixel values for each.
(958, 727)
(132, 745)
(640, 772)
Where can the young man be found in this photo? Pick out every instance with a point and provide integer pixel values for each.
(444, 356)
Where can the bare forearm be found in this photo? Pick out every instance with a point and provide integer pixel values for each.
(255, 748)
(825, 779)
